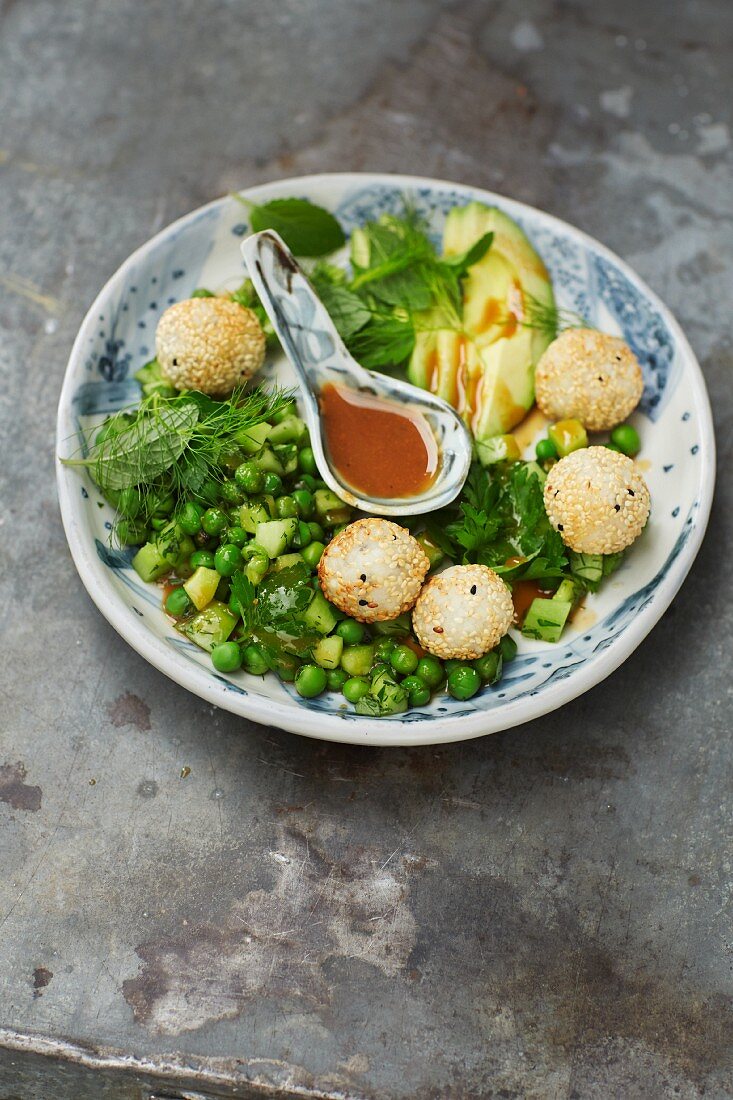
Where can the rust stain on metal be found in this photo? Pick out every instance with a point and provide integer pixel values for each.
(41, 977)
(15, 791)
(129, 710)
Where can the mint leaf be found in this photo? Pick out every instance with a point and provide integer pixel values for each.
(348, 312)
(307, 229)
(145, 449)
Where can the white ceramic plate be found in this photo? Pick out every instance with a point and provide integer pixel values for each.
(674, 422)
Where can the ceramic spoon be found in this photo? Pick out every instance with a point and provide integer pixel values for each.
(318, 356)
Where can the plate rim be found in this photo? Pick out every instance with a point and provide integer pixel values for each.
(381, 732)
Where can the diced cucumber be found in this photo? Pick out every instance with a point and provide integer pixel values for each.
(434, 553)
(386, 697)
(320, 615)
(149, 563)
(287, 456)
(285, 561)
(326, 501)
(251, 440)
(546, 619)
(391, 628)
(566, 591)
(275, 535)
(568, 435)
(268, 462)
(152, 381)
(168, 542)
(251, 514)
(201, 587)
(337, 517)
(210, 627)
(289, 430)
(357, 659)
(258, 562)
(328, 652)
(499, 448)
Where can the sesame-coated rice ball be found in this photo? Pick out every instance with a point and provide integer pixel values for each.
(597, 499)
(373, 570)
(588, 376)
(462, 612)
(209, 344)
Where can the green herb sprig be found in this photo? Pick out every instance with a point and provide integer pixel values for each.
(173, 446)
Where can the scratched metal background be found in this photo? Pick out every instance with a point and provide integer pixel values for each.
(545, 913)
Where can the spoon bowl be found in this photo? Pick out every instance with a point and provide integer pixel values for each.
(318, 356)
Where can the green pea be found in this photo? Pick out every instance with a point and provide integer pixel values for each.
(254, 660)
(312, 553)
(307, 461)
(285, 507)
(384, 649)
(236, 535)
(453, 663)
(626, 438)
(177, 603)
(287, 671)
(304, 502)
(316, 531)
(463, 682)
(226, 657)
(230, 493)
(351, 631)
(418, 691)
(356, 688)
(190, 518)
(131, 533)
(381, 668)
(291, 409)
(214, 520)
(430, 671)
(545, 450)
(227, 559)
(488, 666)
(250, 477)
(129, 503)
(336, 678)
(163, 506)
(613, 447)
(310, 681)
(202, 557)
(403, 659)
(305, 481)
(273, 483)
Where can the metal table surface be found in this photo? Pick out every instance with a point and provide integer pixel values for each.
(192, 905)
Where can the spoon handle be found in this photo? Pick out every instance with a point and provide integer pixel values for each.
(301, 321)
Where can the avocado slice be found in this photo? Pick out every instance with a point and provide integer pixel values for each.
(487, 371)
